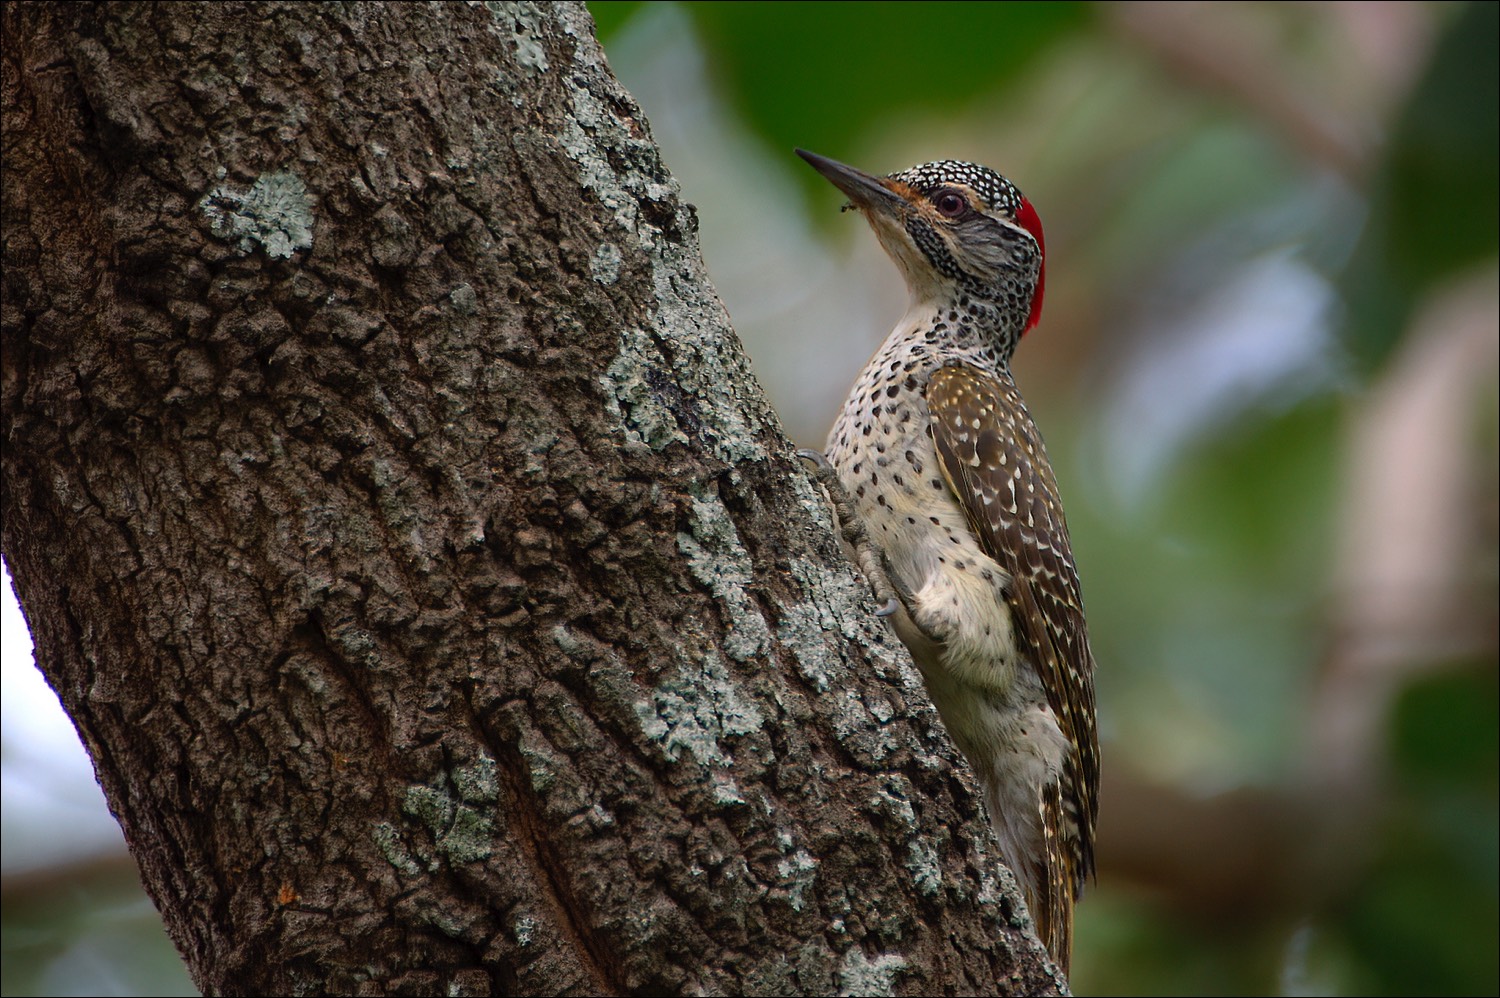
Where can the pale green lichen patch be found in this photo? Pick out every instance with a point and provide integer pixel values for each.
(726, 793)
(797, 869)
(633, 402)
(605, 262)
(524, 930)
(276, 213)
(859, 975)
(814, 968)
(922, 863)
(798, 634)
(431, 807)
(478, 784)
(894, 802)
(462, 832)
(837, 608)
(388, 840)
(717, 559)
(541, 763)
(598, 817)
(996, 884)
(567, 642)
(519, 22)
(464, 299)
(691, 712)
(816, 656)
(469, 840)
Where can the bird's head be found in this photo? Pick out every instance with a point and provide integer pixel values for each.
(954, 228)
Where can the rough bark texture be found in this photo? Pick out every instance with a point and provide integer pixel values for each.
(399, 522)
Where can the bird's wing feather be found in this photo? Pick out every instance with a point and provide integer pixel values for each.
(992, 458)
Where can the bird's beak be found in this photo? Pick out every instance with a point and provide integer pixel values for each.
(864, 190)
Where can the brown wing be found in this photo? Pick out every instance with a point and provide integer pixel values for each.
(992, 458)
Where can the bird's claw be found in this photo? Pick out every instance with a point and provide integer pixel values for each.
(870, 559)
(816, 458)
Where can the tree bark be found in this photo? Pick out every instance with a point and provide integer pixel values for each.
(398, 520)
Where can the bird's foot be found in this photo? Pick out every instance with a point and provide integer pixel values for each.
(891, 591)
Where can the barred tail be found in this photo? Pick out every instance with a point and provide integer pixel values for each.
(1054, 912)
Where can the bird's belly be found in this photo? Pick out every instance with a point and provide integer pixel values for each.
(909, 513)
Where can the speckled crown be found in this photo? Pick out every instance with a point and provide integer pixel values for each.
(997, 192)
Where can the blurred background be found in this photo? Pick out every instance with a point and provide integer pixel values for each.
(1267, 376)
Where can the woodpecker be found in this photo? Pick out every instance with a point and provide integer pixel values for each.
(945, 474)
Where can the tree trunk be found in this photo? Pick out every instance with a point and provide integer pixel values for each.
(397, 518)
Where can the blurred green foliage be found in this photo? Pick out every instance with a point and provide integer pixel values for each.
(832, 71)
(92, 933)
(1436, 203)
(1183, 609)
(1430, 893)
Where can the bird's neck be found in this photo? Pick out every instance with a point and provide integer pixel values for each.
(960, 326)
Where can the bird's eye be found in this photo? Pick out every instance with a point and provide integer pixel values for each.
(951, 204)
